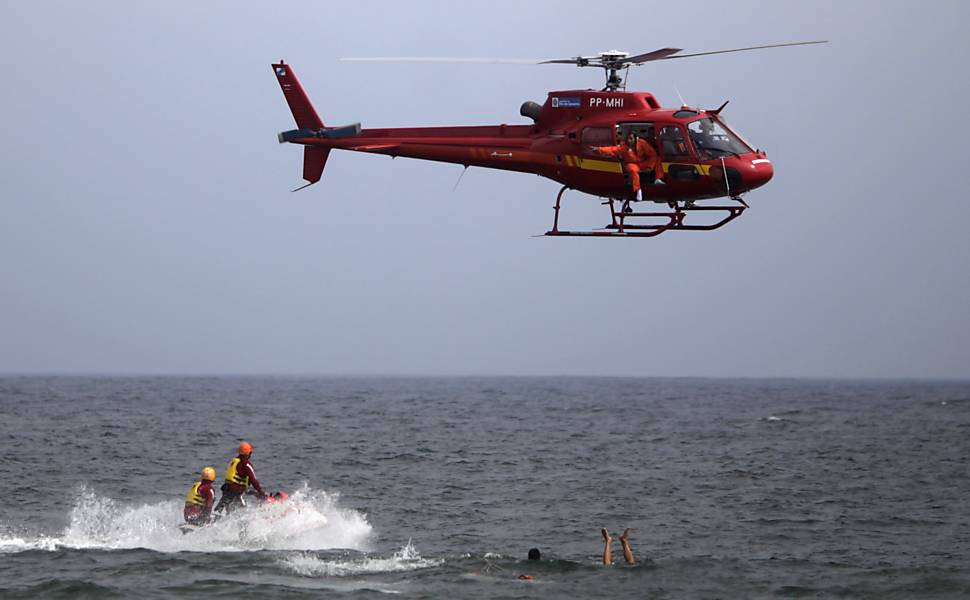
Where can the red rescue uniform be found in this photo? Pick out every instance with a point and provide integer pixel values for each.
(643, 157)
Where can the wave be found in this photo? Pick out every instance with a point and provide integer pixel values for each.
(405, 559)
(309, 520)
(12, 543)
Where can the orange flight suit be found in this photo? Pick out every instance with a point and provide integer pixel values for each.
(643, 158)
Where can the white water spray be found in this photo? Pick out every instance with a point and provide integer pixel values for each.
(309, 520)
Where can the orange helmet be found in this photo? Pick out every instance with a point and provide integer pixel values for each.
(208, 474)
(245, 448)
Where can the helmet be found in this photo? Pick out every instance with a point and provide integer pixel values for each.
(245, 448)
(208, 474)
(282, 495)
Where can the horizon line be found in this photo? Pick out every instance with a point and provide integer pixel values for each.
(308, 375)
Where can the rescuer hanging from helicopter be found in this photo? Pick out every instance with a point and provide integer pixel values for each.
(635, 154)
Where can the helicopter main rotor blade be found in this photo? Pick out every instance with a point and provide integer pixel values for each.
(655, 55)
(739, 50)
(444, 59)
(581, 61)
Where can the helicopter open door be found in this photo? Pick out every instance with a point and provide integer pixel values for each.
(647, 131)
(644, 130)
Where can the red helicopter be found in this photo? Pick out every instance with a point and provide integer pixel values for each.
(700, 156)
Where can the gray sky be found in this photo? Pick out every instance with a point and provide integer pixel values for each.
(147, 224)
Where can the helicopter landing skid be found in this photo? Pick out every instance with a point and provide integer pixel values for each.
(648, 224)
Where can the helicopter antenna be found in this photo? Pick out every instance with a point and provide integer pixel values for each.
(462, 174)
(611, 61)
(682, 101)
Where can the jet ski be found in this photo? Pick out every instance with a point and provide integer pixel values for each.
(277, 498)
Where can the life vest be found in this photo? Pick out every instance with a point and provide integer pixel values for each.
(233, 476)
(194, 498)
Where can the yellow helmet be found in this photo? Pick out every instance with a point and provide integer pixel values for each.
(208, 474)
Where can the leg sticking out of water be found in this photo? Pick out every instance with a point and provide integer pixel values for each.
(607, 547)
(627, 550)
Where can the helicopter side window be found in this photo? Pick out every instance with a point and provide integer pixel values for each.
(672, 145)
(713, 141)
(597, 136)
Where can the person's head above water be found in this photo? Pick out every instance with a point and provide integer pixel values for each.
(245, 449)
(534, 554)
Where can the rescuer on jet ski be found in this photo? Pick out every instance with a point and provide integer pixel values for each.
(199, 500)
(239, 476)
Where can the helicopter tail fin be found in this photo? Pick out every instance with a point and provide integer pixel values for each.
(303, 112)
(314, 157)
(314, 160)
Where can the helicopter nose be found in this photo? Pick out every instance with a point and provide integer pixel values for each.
(758, 172)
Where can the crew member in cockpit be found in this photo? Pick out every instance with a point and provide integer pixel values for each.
(635, 154)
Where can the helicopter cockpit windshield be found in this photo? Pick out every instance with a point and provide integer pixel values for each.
(713, 140)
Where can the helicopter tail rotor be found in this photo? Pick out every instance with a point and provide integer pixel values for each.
(325, 132)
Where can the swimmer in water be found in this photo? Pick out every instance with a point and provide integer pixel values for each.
(534, 554)
(608, 547)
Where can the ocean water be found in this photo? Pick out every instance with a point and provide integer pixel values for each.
(438, 487)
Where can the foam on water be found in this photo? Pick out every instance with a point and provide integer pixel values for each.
(309, 520)
(405, 559)
(13, 543)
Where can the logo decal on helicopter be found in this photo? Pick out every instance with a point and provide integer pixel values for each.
(565, 102)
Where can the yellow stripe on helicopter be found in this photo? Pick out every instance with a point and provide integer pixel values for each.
(591, 164)
(609, 166)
